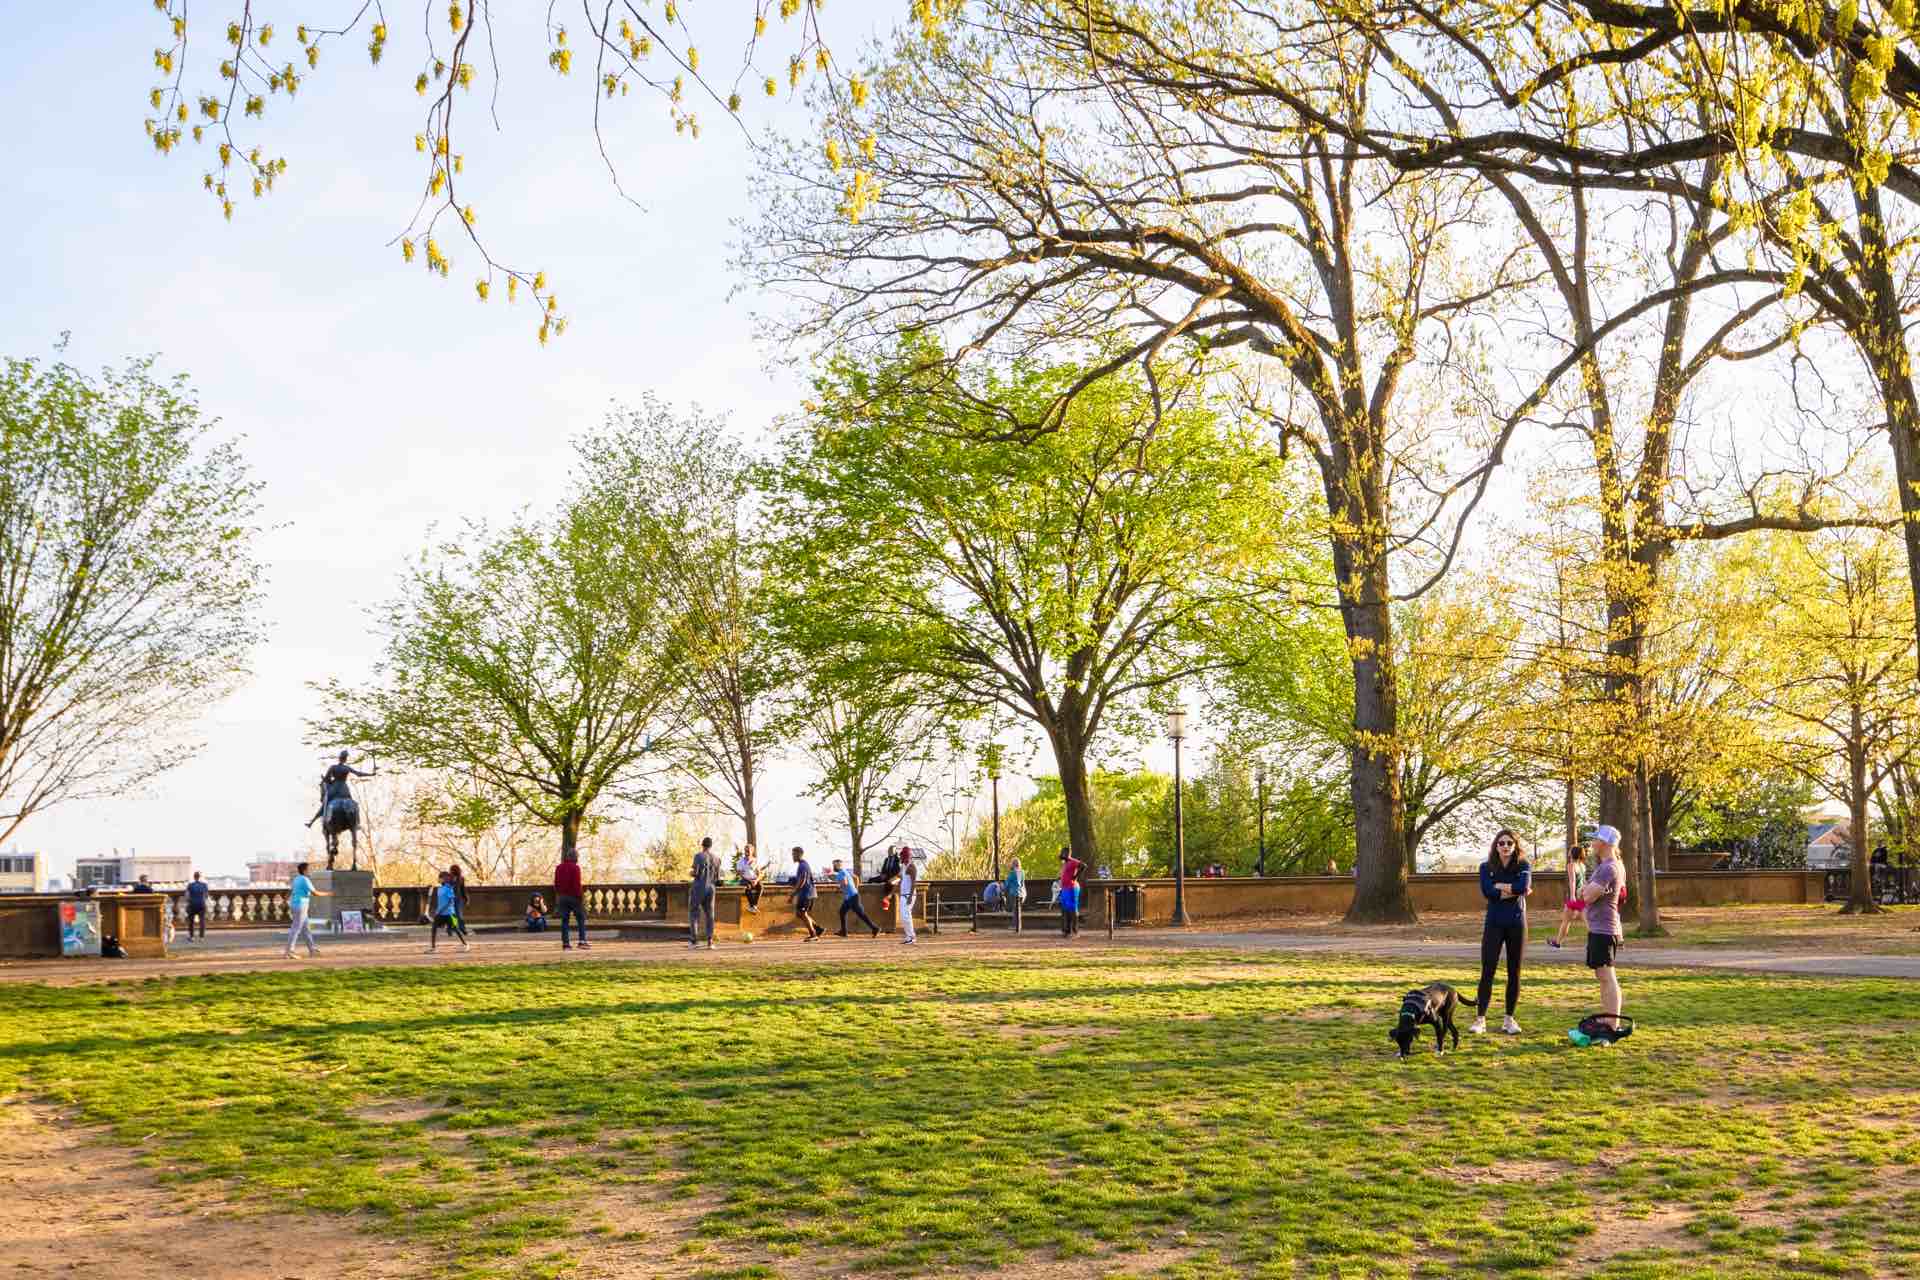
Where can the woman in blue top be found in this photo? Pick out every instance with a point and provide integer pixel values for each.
(1505, 881)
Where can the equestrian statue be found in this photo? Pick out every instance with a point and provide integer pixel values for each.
(338, 809)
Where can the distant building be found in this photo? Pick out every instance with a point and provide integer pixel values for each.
(22, 872)
(163, 871)
(267, 869)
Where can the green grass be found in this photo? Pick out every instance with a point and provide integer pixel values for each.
(977, 1112)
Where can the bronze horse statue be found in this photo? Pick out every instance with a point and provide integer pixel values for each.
(338, 810)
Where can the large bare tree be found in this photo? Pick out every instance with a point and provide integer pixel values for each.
(1042, 177)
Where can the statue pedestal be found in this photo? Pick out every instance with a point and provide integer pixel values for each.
(349, 891)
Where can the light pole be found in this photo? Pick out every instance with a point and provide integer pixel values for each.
(1177, 730)
(1260, 791)
(992, 761)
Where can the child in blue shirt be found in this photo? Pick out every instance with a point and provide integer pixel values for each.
(446, 911)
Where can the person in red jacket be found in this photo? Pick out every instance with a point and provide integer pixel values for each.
(1070, 869)
(568, 900)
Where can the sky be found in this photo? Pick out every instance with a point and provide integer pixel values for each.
(376, 403)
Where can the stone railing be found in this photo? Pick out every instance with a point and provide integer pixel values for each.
(492, 903)
(234, 908)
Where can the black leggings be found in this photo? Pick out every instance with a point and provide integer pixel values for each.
(1514, 938)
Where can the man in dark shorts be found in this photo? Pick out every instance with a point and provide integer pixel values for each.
(804, 893)
(1605, 884)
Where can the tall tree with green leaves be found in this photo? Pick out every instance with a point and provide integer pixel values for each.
(129, 592)
(1071, 580)
(684, 490)
(1841, 676)
(534, 663)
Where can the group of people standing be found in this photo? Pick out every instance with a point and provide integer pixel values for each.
(1506, 879)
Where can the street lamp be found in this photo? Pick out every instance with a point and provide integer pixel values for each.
(1260, 790)
(992, 761)
(1177, 730)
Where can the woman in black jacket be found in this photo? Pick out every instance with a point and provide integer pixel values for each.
(1505, 881)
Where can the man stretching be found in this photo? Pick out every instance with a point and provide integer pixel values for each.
(1070, 869)
(850, 900)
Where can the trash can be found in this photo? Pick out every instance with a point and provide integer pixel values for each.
(1126, 904)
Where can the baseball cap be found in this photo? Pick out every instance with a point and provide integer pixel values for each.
(1607, 835)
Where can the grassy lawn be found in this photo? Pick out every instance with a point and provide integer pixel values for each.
(1209, 1114)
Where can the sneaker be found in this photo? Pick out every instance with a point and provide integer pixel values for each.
(566, 946)
(585, 947)
(1479, 1027)
(874, 934)
(693, 946)
(841, 934)
(709, 944)
(1510, 1027)
(1554, 943)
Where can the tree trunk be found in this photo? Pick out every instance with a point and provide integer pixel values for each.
(1860, 899)
(1884, 348)
(1661, 791)
(1070, 757)
(749, 812)
(1649, 899)
(569, 833)
(1570, 814)
(1380, 893)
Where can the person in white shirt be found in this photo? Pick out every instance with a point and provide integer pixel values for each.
(746, 865)
(909, 885)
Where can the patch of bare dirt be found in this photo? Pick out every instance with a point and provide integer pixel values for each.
(1663, 1227)
(1526, 1172)
(79, 1207)
(1106, 1266)
(403, 1111)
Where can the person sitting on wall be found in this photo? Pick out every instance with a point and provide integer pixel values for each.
(537, 915)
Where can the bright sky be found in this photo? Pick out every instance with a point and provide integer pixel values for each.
(375, 402)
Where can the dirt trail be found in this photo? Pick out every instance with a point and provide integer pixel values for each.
(80, 1208)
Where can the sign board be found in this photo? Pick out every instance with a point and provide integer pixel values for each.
(353, 922)
(79, 928)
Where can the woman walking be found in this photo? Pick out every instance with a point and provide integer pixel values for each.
(1505, 881)
(1576, 905)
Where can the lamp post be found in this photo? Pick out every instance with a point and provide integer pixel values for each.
(1260, 791)
(1177, 730)
(992, 761)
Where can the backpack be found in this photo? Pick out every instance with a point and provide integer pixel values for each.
(1602, 1029)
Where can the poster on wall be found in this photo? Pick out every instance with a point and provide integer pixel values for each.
(79, 928)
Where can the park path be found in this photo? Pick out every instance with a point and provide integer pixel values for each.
(251, 950)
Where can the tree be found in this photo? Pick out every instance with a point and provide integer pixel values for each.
(1464, 746)
(215, 87)
(128, 587)
(1044, 175)
(873, 747)
(1842, 675)
(1126, 807)
(683, 490)
(1067, 580)
(534, 664)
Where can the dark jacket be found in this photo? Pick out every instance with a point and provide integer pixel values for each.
(1506, 911)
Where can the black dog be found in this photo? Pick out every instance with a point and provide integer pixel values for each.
(1431, 1006)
